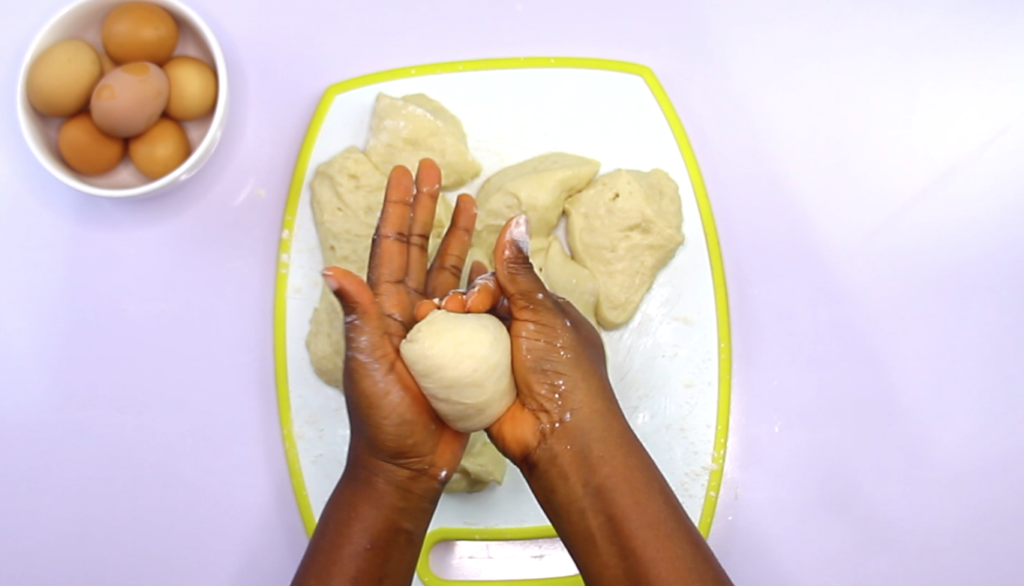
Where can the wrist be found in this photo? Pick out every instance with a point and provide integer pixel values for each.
(417, 486)
(589, 442)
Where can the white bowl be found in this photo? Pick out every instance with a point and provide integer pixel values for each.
(83, 20)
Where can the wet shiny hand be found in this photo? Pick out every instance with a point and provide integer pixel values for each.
(392, 422)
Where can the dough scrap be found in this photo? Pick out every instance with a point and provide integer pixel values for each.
(624, 227)
(481, 465)
(347, 196)
(407, 129)
(463, 364)
(537, 187)
(326, 339)
(569, 279)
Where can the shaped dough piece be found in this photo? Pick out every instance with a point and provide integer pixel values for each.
(463, 364)
(407, 129)
(326, 339)
(569, 279)
(624, 227)
(537, 187)
(481, 465)
(348, 193)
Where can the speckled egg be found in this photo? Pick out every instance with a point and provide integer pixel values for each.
(129, 99)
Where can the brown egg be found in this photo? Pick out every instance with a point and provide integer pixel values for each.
(139, 31)
(107, 63)
(61, 78)
(193, 88)
(85, 148)
(129, 99)
(160, 150)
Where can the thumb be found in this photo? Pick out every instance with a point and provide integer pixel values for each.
(519, 282)
(356, 299)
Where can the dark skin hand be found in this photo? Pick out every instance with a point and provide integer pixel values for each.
(400, 453)
(625, 524)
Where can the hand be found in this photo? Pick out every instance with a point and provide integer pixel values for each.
(557, 356)
(392, 422)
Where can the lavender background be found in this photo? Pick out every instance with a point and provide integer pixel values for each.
(864, 161)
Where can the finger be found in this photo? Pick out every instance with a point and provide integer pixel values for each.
(454, 302)
(423, 309)
(357, 300)
(484, 294)
(424, 207)
(476, 270)
(446, 270)
(502, 310)
(518, 281)
(389, 252)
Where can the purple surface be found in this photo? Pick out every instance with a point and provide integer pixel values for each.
(864, 164)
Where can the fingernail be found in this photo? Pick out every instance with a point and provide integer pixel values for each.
(519, 232)
(329, 279)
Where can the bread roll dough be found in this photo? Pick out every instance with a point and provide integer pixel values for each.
(537, 187)
(569, 279)
(463, 364)
(407, 129)
(624, 227)
(481, 465)
(326, 339)
(347, 196)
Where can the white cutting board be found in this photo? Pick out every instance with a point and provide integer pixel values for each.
(669, 365)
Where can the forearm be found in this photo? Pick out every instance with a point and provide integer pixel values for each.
(371, 530)
(614, 511)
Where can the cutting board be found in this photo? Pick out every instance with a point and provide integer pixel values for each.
(670, 365)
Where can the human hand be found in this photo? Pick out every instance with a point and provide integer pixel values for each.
(567, 434)
(392, 423)
(558, 361)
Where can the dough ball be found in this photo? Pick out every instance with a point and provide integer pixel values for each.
(481, 465)
(463, 364)
(624, 227)
(407, 129)
(537, 187)
(569, 279)
(326, 339)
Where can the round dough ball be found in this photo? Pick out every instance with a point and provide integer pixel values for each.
(463, 364)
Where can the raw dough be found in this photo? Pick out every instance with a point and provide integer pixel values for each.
(326, 339)
(407, 129)
(537, 187)
(348, 193)
(566, 277)
(624, 227)
(463, 364)
(481, 465)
